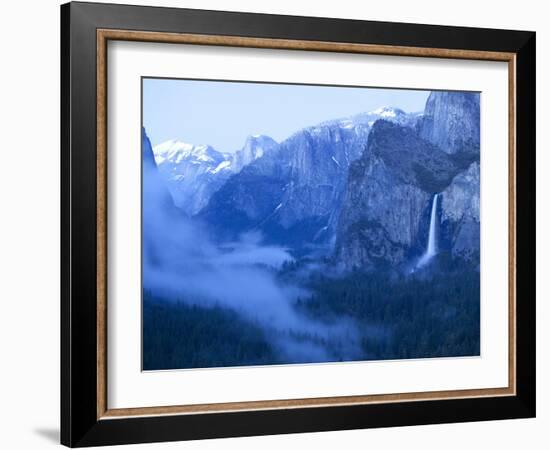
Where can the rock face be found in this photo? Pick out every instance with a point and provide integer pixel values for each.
(294, 195)
(388, 192)
(386, 210)
(460, 214)
(411, 159)
(194, 172)
(255, 147)
(451, 121)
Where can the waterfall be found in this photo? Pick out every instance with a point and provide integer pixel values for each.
(431, 248)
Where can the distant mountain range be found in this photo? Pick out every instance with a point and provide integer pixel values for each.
(194, 172)
(357, 190)
(294, 194)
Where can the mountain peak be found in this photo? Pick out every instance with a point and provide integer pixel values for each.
(176, 151)
(259, 139)
(451, 121)
(388, 111)
(255, 147)
(369, 117)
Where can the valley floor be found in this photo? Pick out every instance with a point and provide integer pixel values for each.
(362, 316)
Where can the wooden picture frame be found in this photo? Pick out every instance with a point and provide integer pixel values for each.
(86, 418)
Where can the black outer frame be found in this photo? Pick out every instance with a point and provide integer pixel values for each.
(79, 423)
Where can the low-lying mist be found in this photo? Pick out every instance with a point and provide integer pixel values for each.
(182, 263)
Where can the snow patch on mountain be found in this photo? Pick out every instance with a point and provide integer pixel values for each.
(222, 166)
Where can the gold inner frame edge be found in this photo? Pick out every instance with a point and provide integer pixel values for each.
(103, 36)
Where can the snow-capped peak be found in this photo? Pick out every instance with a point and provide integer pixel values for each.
(175, 151)
(388, 112)
(172, 146)
(366, 119)
(221, 166)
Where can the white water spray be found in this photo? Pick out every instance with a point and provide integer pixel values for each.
(431, 248)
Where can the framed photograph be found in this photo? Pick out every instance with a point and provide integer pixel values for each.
(276, 224)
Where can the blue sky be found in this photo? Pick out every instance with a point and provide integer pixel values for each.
(222, 114)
